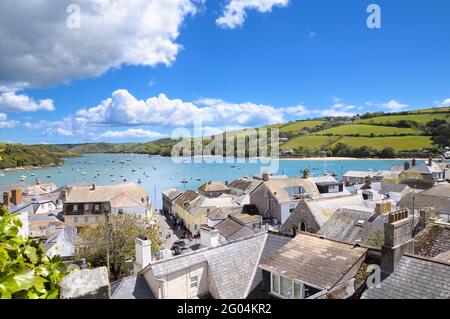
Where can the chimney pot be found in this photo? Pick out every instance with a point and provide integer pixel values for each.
(16, 197)
(430, 161)
(6, 200)
(265, 176)
(414, 162)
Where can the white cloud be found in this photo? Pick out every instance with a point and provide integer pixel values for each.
(298, 110)
(338, 110)
(444, 103)
(132, 134)
(393, 105)
(124, 109)
(10, 101)
(235, 11)
(4, 123)
(39, 50)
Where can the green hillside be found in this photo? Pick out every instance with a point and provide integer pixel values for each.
(310, 142)
(367, 130)
(400, 143)
(394, 119)
(17, 155)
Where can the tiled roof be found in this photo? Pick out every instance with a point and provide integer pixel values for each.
(322, 209)
(222, 213)
(213, 187)
(233, 230)
(414, 278)
(246, 218)
(319, 262)
(172, 193)
(433, 240)
(352, 224)
(87, 193)
(278, 188)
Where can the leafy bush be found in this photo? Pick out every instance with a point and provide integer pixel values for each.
(25, 271)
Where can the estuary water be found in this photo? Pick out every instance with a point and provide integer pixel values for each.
(156, 174)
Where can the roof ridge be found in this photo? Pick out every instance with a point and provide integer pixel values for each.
(436, 261)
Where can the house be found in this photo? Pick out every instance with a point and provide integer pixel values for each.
(395, 192)
(438, 197)
(277, 198)
(310, 267)
(86, 205)
(41, 226)
(193, 208)
(168, 198)
(427, 170)
(214, 189)
(229, 271)
(327, 184)
(357, 177)
(61, 242)
(222, 213)
(311, 214)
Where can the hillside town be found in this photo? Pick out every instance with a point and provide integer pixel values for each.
(258, 237)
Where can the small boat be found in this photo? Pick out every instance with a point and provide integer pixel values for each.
(48, 176)
(125, 180)
(198, 179)
(2, 174)
(32, 175)
(84, 173)
(111, 175)
(184, 181)
(133, 170)
(139, 181)
(113, 180)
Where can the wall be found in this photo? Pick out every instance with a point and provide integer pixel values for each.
(265, 202)
(300, 214)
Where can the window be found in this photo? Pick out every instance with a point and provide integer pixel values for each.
(208, 210)
(194, 282)
(97, 207)
(75, 207)
(97, 219)
(286, 288)
(86, 207)
(86, 219)
(303, 226)
(75, 220)
(49, 205)
(120, 211)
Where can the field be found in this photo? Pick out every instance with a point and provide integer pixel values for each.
(400, 143)
(419, 118)
(309, 142)
(297, 126)
(367, 130)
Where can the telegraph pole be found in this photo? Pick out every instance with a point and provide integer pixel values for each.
(108, 206)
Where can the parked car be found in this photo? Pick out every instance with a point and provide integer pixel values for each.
(178, 244)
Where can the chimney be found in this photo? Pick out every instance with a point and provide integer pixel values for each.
(209, 237)
(143, 248)
(397, 239)
(93, 187)
(383, 208)
(305, 173)
(414, 162)
(406, 166)
(64, 195)
(265, 176)
(16, 197)
(430, 161)
(6, 200)
(425, 215)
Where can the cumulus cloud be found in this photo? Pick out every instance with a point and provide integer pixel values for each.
(393, 105)
(4, 123)
(298, 110)
(338, 110)
(122, 108)
(444, 103)
(39, 50)
(11, 101)
(132, 134)
(235, 11)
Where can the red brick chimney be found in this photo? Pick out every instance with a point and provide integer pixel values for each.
(16, 197)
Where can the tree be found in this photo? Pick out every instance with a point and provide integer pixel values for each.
(123, 230)
(440, 134)
(25, 271)
(388, 152)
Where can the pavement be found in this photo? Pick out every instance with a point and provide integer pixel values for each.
(168, 228)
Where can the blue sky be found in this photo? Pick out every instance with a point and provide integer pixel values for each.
(227, 63)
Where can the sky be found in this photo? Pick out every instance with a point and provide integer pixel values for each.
(133, 71)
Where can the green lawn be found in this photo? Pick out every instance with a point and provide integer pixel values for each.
(400, 143)
(309, 142)
(420, 118)
(297, 126)
(367, 130)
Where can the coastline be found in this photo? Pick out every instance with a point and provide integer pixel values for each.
(27, 168)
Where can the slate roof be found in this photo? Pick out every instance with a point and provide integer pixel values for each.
(319, 262)
(423, 168)
(414, 278)
(172, 193)
(353, 224)
(244, 184)
(395, 188)
(232, 266)
(359, 174)
(433, 240)
(438, 197)
(133, 287)
(232, 230)
(213, 187)
(322, 209)
(222, 213)
(279, 188)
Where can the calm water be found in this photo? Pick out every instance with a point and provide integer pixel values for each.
(162, 173)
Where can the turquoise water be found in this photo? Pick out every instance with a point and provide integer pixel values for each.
(162, 173)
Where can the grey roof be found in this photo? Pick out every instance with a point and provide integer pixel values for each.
(351, 224)
(433, 240)
(395, 188)
(414, 278)
(319, 262)
(232, 230)
(172, 193)
(438, 197)
(133, 287)
(231, 265)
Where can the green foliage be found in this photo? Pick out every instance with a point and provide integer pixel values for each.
(123, 229)
(25, 271)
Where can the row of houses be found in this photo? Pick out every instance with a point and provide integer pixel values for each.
(305, 266)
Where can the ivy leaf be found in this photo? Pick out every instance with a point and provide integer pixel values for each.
(30, 252)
